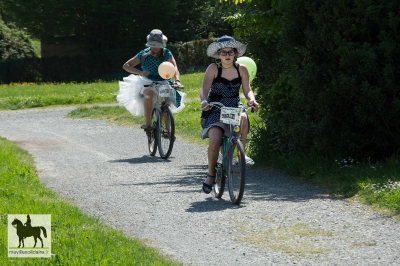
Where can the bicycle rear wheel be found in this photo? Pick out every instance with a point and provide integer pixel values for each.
(166, 132)
(220, 178)
(236, 171)
(151, 134)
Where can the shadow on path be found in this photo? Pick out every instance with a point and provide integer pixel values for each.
(212, 205)
(143, 159)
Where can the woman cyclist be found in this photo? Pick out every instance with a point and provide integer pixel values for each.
(135, 93)
(222, 83)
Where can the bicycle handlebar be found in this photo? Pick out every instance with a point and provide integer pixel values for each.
(220, 105)
(173, 85)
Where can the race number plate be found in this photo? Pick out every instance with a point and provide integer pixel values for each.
(164, 91)
(230, 115)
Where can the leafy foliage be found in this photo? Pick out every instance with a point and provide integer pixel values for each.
(14, 42)
(195, 20)
(191, 56)
(329, 79)
(97, 25)
(100, 25)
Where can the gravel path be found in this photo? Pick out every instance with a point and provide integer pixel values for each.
(108, 173)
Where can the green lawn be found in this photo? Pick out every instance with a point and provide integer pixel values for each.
(30, 95)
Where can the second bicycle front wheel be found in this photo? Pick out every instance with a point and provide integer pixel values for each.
(151, 134)
(166, 132)
(236, 171)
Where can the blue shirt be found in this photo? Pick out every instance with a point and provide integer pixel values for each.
(151, 63)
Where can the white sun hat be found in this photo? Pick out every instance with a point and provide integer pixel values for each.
(225, 42)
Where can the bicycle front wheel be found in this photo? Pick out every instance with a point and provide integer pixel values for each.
(166, 132)
(236, 171)
(151, 134)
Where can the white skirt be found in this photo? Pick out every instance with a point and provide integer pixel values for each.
(130, 95)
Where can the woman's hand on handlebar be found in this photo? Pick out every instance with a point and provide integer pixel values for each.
(253, 104)
(178, 85)
(205, 106)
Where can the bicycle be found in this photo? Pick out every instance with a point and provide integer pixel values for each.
(231, 163)
(162, 132)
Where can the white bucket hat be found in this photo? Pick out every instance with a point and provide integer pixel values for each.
(156, 39)
(225, 42)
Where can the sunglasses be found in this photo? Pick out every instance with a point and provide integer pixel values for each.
(225, 53)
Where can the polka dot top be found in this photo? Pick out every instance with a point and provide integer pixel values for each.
(223, 91)
(151, 63)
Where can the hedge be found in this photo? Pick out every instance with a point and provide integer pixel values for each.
(330, 79)
(190, 57)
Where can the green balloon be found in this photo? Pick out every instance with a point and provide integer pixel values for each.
(250, 64)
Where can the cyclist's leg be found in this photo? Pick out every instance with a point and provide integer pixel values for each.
(148, 104)
(245, 128)
(215, 136)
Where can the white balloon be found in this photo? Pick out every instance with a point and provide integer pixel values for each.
(166, 70)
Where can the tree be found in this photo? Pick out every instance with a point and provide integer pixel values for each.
(100, 25)
(96, 24)
(195, 19)
(14, 42)
(328, 75)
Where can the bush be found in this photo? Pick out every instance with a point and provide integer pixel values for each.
(330, 77)
(191, 56)
(14, 42)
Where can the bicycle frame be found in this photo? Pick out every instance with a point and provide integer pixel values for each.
(227, 147)
(233, 155)
(160, 100)
(162, 135)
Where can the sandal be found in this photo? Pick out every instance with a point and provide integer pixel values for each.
(146, 127)
(249, 161)
(207, 188)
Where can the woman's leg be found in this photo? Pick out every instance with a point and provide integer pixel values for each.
(244, 129)
(215, 135)
(148, 104)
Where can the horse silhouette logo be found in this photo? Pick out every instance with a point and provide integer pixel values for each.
(24, 231)
(35, 226)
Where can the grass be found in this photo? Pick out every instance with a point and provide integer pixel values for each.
(374, 183)
(29, 95)
(77, 239)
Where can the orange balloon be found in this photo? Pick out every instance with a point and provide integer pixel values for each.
(166, 70)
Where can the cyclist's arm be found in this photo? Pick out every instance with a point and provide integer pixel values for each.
(247, 91)
(209, 76)
(177, 73)
(130, 66)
